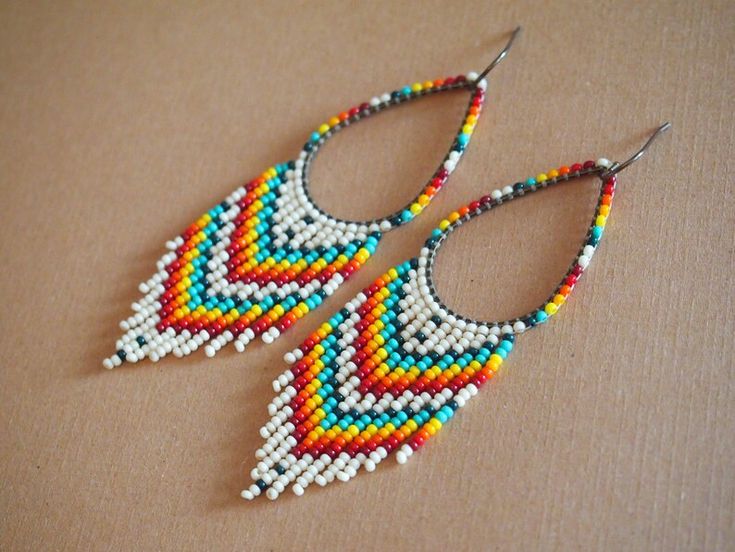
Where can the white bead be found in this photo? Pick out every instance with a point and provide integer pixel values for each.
(602, 162)
(583, 261)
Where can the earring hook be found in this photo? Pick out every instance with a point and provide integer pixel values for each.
(500, 56)
(617, 167)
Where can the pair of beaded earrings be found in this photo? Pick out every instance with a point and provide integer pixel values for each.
(388, 370)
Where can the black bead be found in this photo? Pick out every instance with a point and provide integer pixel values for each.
(122, 354)
(261, 484)
(141, 340)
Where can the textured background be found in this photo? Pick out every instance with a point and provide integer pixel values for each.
(612, 427)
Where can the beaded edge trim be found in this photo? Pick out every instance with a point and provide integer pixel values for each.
(387, 100)
(498, 197)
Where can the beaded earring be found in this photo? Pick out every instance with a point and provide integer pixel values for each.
(267, 255)
(388, 370)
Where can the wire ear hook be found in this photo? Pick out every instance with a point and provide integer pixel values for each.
(500, 56)
(617, 167)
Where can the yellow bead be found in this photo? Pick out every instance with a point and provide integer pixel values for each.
(541, 177)
(550, 308)
(436, 423)
(601, 221)
(416, 208)
(323, 128)
(416, 87)
(444, 224)
(467, 129)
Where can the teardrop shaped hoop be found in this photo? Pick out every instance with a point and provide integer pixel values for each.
(379, 104)
(499, 197)
(607, 173)
(472, 82)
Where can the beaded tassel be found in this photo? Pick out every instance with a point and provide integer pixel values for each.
(267, 255)
(387, 371)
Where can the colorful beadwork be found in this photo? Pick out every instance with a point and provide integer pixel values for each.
(386, 372)
(267, 255)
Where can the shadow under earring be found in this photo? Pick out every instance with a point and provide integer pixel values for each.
(267, 255)
(387, 371)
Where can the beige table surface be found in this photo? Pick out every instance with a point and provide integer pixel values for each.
(610, 428)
